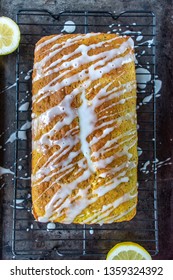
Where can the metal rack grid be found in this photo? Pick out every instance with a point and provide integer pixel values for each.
(31, 239)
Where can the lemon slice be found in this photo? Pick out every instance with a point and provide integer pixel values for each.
(9, 35)
(128, 251)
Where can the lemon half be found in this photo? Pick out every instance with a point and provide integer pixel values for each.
(9, 36)
(128, 251)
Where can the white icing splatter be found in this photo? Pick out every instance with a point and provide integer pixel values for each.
(24, 178)
(2, 186)
(129, 32)
(139, 38)
(51, 226)
(139, 151)
(144, 167)
(158, 85)
(69, 27)
(24, 107)
(7, 88)
(20, 167)
(19, 200)
(5, 171)
(164, 162)
(147, 99)
(149, 42)
(28, 75)
(143, 76)
(21, 133)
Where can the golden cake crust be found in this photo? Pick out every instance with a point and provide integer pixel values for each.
(84, 138)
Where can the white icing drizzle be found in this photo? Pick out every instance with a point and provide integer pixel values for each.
(45, 43)
(83, 49)
(99, 216)
(75, 209)
(55, 168)
(93, 74)
(114, 219)
(86, 127)
(62, 195)
(55, 50)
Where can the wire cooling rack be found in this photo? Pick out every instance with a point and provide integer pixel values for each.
(34, 240)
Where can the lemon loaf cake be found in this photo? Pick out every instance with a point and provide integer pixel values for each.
(84, 136)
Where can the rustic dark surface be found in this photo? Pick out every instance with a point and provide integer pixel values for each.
(163, 10)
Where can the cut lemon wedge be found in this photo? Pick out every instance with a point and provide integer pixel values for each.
(9, 36)
(128, 251)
